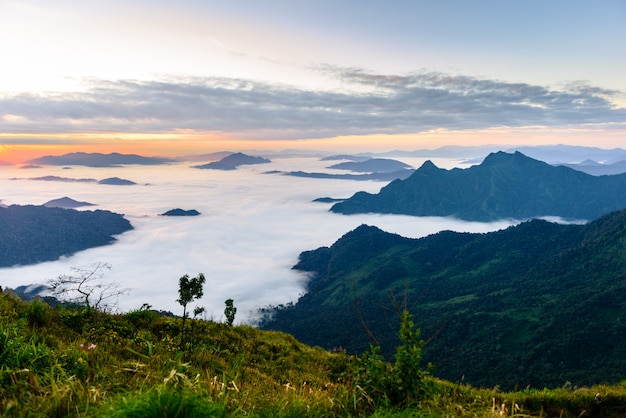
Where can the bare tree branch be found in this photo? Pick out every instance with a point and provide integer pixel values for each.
(86, 287)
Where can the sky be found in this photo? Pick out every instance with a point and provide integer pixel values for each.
(169, 78)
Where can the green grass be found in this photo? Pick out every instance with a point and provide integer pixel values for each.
(64, 363)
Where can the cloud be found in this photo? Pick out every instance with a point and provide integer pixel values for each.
(368, 103)
(250, 232)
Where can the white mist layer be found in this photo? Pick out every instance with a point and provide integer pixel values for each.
(250, 232)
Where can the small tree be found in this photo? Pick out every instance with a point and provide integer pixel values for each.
(86, 287)
(188, 290)
(407, 370)
(385, 384)
(230, 311)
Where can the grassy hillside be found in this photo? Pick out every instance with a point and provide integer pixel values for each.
(59, 362)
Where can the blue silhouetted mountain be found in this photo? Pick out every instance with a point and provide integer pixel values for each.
(232, 161)
(384, 176)
(116, 181)
(181, 212)
(34, 234)
(66, 203)
(377, 169)
(99, 160)
(503, 186)
(372, 165)
(547, 298)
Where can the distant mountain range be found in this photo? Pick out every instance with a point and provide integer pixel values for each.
(232, 161)
(372, 165)
(591, 160)
(503, 186)
(34, 234)
(598, 169)
(537, 304)
(99, 160)
(552, 154)
(377, 169)
(110, 181)
(383, 176)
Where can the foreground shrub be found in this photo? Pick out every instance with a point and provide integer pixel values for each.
(380, 384)
(162, 403)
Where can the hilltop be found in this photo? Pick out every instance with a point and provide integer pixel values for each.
(536, 304)
(66, 203)
(232, 161)
(502, 186)
(33, 234)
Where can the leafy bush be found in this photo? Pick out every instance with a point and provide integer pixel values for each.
(38, 314)
(163, 403)
(381, 384)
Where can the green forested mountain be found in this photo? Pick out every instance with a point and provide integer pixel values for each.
(503, 186)
(33, 234)
(537, 304)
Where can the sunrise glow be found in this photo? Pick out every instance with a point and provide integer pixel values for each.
(210, 76)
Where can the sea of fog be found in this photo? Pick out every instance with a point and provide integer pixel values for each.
(252, 227)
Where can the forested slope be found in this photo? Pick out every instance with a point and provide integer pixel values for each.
(536, 304)
(33, 234)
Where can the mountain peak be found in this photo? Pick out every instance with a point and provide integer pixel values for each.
(428, 166)
(504, 157)
(504, 185)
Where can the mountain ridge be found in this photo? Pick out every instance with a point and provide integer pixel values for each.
(503, 186)
(535, 304)
(232, 161)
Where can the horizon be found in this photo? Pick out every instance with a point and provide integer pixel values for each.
(251, 228)
(253, 223)
(165, 79)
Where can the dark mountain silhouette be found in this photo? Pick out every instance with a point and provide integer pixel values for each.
(111, 180)
(384, 176)
(66, 203)
(233, 161)
(181, 212)
(99, 160)
(372, 165)
(503, 186)
(535, 304)
(57, 178)
(116, 181)
(33, 234)
(376, 169)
